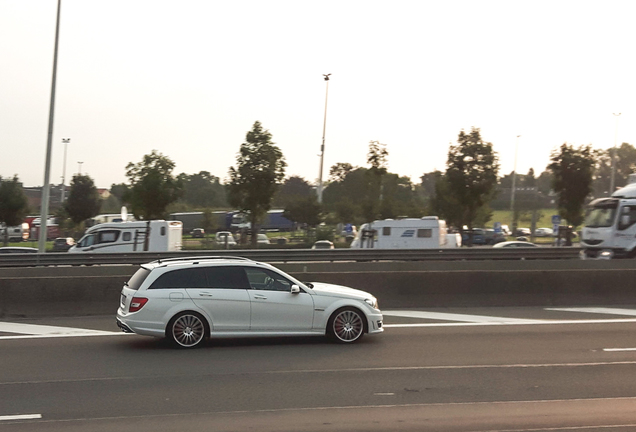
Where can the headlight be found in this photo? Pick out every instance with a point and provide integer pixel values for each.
(373, 302)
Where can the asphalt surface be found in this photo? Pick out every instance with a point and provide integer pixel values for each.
(495, 369)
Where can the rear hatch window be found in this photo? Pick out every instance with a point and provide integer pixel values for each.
(138, 278)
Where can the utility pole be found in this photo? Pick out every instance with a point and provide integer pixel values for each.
(514, 188)
(322, 147)
(65, 141)
(44, 206)
(613, 178)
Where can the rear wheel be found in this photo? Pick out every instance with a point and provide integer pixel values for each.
(187, 329)
(346, 325)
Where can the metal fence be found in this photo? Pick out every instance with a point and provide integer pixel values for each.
(297, 255)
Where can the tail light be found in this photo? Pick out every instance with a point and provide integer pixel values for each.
(137, 303)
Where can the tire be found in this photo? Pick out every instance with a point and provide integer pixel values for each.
(187, 330)
(346, 325)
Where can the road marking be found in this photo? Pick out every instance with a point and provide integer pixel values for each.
(618, 349)
(511, 323)
(383, 394)
(597, 310)
(33, 331)
(455, 317)
(21, 417)
(339, 371)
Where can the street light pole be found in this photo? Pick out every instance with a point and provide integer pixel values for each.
(65, 141)
(613, 178)
(44, 206)
(79, 167)
(322, 147)
(514, 177)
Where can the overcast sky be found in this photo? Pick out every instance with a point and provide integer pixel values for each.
(189, 78)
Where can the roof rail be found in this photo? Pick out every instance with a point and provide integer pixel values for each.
(190, 258)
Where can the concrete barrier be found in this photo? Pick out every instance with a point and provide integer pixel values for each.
(68, 291)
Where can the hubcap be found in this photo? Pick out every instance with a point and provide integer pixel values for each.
(347, 326)
(188, 330)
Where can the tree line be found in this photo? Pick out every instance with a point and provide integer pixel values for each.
(464, 194)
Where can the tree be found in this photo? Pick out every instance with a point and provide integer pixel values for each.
(339, 171)
(202, 190)
(152, 186)
(471, 176)
(260, 167)
(292, 189)
(377, 158)
(83, 200)
(13, 204)
(572, 169)
(305, 210)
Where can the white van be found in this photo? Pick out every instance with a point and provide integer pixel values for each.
(165, 236)
(426, 233)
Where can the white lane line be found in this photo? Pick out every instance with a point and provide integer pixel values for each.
(21, 417)
(511, 323)
(597, 310)
(618, 349)
(33, 331)
(456, 317)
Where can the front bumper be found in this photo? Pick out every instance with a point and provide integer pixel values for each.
(376, 324)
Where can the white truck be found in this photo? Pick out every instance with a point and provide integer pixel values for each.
(609, 230)
(164, 236)
(426, 233)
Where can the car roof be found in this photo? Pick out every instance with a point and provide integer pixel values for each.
(17, 249)
(202, 260)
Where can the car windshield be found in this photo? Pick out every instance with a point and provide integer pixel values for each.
(600, 217)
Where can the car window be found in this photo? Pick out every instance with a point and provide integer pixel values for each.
(108, 236)
(227, 277)
(264, 279)
(183, 278)
(138, 278)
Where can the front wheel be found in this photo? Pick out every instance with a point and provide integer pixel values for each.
(346, 325)
(187, 330)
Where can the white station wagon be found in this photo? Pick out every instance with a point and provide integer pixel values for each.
(189, 299)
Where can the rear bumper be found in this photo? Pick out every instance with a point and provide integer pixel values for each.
(123, 326)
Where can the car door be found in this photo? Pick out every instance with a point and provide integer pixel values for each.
(274, 307)
(224, 297)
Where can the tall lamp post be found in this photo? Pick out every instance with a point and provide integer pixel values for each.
(514, 186)
(44, 206)
(322, 147)
(65, 141)
(613, 178)
(79, 167)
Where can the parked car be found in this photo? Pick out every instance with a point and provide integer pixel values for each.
(224, 237)
(17, 249)
(198, 233)
(479, 236)
(262, 239)
(515, 244)
(522, 232)
(189, 299)
(543, 232)
(323, 244)
(63, 244)
(492, 237)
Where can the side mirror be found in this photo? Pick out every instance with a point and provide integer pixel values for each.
(295, 289)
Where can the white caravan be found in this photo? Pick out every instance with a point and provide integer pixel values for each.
(610, 226)
(165, 236)
(426, 233)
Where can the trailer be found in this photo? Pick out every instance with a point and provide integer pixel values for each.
(150, 236)
(426, 233)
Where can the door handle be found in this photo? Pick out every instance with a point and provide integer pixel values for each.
(259, 296)
(205, 294)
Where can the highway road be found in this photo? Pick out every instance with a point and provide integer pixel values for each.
(465, 369)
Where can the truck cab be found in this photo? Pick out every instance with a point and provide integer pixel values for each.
(610, 226)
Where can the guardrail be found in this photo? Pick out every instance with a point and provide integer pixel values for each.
(296, 255)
